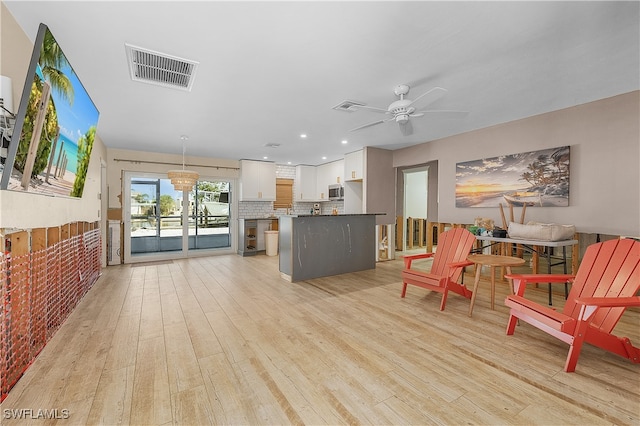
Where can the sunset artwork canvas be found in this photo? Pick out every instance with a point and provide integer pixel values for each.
(536, 178)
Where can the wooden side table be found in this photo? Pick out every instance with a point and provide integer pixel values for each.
(493, 261)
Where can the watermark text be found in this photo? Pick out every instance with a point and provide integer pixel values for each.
(34, 414)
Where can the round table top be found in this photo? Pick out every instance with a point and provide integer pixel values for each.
(495, 260)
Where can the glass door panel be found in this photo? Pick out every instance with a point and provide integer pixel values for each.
(209, 215)
(145, 227)
(156, 216)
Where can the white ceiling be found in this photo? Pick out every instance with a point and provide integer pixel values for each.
(270, 71)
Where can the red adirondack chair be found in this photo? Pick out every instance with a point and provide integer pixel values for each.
(606, 284)
(449, 260)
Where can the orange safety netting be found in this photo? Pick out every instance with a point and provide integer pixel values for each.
(39, 291)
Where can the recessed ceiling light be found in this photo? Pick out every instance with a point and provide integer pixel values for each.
(288, 162)
(324, 158)
(303, 135)
(265, 157)
(344, 142)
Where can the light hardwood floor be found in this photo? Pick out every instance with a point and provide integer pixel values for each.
(224, 340)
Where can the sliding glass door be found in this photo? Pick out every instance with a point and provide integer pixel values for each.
(164, 223)
(209, 215)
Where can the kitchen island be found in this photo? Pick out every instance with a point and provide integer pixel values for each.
(313, 246)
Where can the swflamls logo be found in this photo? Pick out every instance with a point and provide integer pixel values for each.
(32, 414)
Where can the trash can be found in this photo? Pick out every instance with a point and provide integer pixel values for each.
(271, 242)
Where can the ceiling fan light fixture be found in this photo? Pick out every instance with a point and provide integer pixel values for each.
(402, 118)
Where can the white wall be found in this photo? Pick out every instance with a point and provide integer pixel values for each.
(605, 153)
(21, 210)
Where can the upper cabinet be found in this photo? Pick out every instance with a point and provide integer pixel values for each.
(354, 166)
(336, 172)
(306, 184)
(257, 181)
(328, 174)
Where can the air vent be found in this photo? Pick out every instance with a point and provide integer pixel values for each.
(348, 106)
(160, 69)
(272, 145)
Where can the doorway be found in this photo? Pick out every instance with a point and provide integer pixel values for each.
(415, 206)
(417, 197)
(162, 223)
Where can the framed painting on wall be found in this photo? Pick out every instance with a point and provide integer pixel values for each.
(536, 178)
(55, 127)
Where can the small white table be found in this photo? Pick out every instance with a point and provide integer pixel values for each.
(530, 246)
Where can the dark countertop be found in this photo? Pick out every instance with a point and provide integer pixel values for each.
(331, 215)
(312, 215)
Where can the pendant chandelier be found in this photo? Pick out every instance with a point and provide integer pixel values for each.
(183, 179)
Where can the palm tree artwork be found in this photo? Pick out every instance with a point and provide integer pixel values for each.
(51, 61)
(58, 131)
(536, 179)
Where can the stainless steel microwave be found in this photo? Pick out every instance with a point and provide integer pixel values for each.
(336, 192)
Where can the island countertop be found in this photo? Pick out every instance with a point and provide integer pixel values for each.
(313, 246)
(333, 215)
(310, 215)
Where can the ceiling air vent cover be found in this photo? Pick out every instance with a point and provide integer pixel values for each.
(160, 69)
(348, 106)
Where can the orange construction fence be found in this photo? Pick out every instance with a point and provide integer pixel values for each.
(44, 274)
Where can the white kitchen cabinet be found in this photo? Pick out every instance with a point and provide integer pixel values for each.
(306, 183)
(322, 180)
(337, 172)
(328, 174)
(354, 166)
(257, 181)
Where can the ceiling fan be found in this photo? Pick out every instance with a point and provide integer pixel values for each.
(402, 110)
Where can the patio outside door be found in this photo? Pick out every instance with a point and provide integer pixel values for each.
(164, 223)
(156, 217)
(209, 215)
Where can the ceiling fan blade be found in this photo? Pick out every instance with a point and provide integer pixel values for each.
(420, 81)
(431, 95)
(443, 113)
(370, 108)
(372, 124)
(369, 125)
(406, 128)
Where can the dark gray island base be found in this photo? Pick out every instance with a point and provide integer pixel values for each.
(319, 246)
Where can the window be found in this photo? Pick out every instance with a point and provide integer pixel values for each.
(284, 194)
